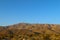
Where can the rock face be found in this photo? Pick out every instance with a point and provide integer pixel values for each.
(30, 32)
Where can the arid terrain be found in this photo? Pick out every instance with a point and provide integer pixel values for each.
(26, 31)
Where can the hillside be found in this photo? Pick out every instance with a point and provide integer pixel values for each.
(25, 31)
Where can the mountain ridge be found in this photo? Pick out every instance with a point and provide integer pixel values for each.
(30, 32)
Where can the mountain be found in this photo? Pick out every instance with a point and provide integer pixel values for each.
(26, 31)
(36, 27)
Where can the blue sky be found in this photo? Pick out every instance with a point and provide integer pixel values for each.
(29, 11)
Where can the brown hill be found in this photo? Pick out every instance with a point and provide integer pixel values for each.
(30, 31)
(36, 27)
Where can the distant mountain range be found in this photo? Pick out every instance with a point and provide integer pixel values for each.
(28, 29)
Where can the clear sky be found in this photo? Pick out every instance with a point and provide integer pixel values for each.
(29, 11)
